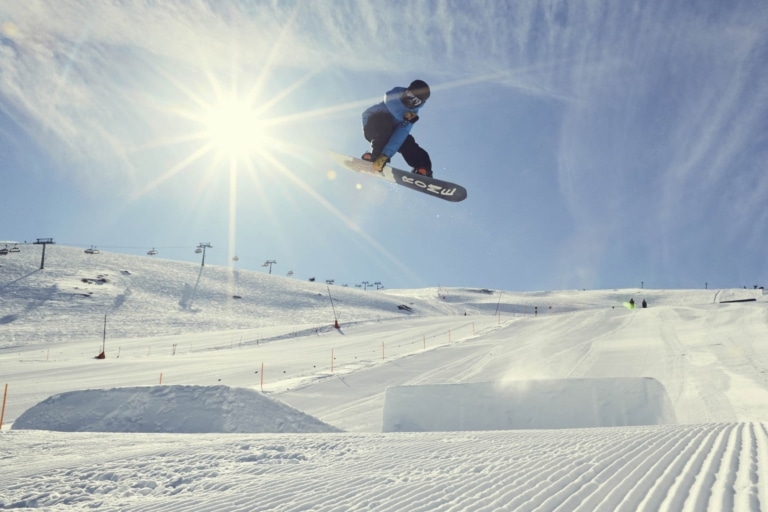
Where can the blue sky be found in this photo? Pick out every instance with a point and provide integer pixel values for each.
(603, 144)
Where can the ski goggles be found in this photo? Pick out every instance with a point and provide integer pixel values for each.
(411, 99)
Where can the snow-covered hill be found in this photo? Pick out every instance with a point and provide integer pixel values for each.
(149, 297)
(177, 340)
(145, 296)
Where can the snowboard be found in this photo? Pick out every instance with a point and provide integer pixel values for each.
(444, 190)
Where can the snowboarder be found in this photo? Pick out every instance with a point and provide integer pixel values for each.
(387, 126)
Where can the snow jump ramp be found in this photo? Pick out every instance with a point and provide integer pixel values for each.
(527, 404)
(168, 409)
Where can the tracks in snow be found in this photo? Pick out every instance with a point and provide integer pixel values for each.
(660, 468)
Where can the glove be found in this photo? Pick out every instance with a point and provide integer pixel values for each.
(380, 162)
(411, 117)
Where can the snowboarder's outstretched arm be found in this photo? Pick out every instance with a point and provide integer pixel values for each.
(404, 116)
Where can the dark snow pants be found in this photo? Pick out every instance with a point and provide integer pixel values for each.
(378, 131)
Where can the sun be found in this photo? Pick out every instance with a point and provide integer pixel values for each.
(228, 128)
(234, 128)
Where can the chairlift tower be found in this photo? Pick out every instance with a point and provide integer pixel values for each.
(269, 264)
(201, 248)
(43, 242)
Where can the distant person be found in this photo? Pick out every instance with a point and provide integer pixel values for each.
(632, 303)
(645, 304)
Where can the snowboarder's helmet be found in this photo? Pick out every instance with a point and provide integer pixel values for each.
(416, 93)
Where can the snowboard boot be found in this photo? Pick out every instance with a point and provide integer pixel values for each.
(423, 171)
(380, 160)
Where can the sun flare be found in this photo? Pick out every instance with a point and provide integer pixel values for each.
(235, 129)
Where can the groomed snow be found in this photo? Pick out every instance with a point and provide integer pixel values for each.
(271, 360)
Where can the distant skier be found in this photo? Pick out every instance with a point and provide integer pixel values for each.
(387, 126)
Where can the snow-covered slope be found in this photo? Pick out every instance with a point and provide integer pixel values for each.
(163, 324)
(147, 296)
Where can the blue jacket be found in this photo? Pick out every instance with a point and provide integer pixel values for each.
(394, 107)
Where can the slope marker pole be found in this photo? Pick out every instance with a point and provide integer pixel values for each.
(2, 412)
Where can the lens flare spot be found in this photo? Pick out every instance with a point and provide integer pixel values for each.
(9, 30)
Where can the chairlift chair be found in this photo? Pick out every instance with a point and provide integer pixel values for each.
(152, 252)
(4, 251)
(198, 250)
(15, 248)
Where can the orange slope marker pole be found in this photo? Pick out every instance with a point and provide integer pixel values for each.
(2, 412)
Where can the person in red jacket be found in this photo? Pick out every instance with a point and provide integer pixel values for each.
(387, 126)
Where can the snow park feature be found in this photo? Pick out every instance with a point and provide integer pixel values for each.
(239, 371)
(173, 409)
(527, 404)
